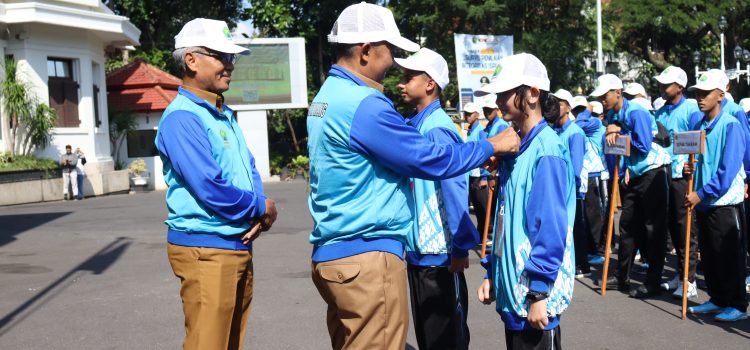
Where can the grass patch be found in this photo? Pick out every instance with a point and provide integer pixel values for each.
(26, 163)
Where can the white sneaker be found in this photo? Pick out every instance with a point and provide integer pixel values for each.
(692, 291)
(672, 284)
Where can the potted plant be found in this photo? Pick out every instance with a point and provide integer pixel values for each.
(137, 169)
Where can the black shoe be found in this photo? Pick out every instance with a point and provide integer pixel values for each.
(645, 291)
(614, 283)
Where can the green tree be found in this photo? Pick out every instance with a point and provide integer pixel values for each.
(30, 123)
(160, 20)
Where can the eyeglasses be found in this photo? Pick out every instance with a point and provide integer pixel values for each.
(226, 58)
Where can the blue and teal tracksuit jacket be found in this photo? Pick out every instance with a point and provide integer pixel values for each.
(640, 125)
(675, 118)
(719, 174)
(214, 190)
(493, 127)
(362, 154)
(534, 250)
(593, 160)
(735, 110)
(574, 140)
(442, 226)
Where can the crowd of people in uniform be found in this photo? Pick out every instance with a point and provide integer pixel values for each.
(389, 194)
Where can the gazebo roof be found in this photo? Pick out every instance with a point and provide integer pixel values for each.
(141, 87)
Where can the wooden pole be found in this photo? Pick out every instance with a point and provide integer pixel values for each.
(611, 223)
(487, 220)
(686, 265)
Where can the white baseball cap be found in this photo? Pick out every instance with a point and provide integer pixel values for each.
(209, 33)
(514, 71)
(368, 23)
(745, 104)
(672, 74)
(634, 89)
(564, 95)
(605, 83)
(659, 103)
(710, 80)
(488, 101)
(430, 62)
(579, 101)
(471, 107)
(597, 107)
(643, 102)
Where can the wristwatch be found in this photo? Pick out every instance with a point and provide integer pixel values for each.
(536, 296)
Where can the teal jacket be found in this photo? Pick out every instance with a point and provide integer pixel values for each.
(640, 125)
(675, 118)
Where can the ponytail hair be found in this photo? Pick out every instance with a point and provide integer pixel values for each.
(549, 104)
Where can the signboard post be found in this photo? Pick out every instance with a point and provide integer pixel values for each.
(692, 143)
(620, 148)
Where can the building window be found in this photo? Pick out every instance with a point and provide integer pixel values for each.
(63, 92)
(141, 143)
(97, 116)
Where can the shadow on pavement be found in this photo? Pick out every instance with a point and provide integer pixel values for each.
(13, 225)
(96, 264)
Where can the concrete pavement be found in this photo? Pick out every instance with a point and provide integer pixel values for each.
(94, 275)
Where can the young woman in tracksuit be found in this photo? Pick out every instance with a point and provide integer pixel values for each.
(531, 269)
(719, 193)
(574, 141)
(594, 165)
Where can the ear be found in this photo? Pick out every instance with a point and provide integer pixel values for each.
(532, 95)
(191, 63)
(364, 52)
(431, 86)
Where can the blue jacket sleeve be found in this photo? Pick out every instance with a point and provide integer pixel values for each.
(455, 192)
(729, 166)
(577, 146)
(640, 137)
(183, 140)
(742, 118)
(379, 132)
(483, 173)
(547, 222)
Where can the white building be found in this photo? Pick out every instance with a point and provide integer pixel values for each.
(60, 49)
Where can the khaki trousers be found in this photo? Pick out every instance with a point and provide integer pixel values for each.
(367, 301)
(216, 291)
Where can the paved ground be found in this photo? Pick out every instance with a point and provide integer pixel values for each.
(94, 275)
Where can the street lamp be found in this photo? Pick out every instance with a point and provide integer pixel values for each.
(744, 55)
(697, 61)
(722, 26)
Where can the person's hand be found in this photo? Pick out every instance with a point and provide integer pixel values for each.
(691, 200)
(269, 217)
(627, 177)
(612, 132)
(492, 182)
(482, 184)
(484, 293)
(745, 190)
(689, 169)
(251, 235)
(507, 141)
(458, 264)
(491, 164)
(538, 314)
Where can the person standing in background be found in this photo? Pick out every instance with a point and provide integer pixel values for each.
(68, 162)
(81, 171)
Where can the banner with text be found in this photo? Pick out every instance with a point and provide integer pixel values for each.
(476, 59)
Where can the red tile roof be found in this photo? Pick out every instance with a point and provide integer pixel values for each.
(141, 87)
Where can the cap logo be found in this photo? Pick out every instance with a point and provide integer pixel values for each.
(669, 69)
(227, 33)
(703, 78)
(498, 69)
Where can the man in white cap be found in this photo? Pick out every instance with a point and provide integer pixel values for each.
(593, 166)
(637, 93)
(675, 115)
(574, 140)
(717, 199)
(362, 154)
(216, 202)
(644, 198)
(437, 249)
